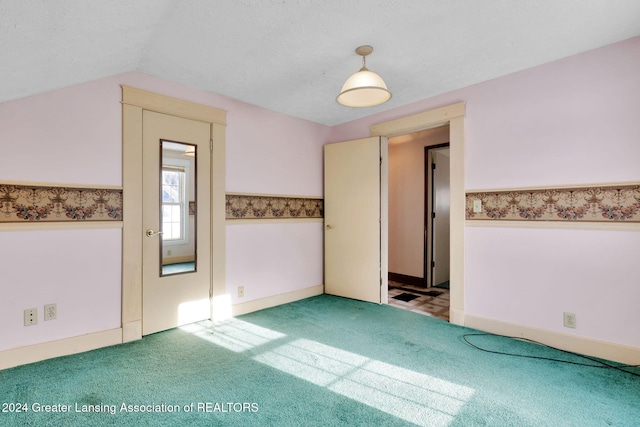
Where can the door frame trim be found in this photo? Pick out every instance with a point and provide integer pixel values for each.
(134, 101)
(453, 115)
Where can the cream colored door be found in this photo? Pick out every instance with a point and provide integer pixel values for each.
(355, 209)
(175, 297)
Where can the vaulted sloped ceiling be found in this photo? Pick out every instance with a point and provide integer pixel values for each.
(293, 56)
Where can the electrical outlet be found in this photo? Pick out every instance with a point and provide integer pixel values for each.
(240, 291)
(50, 312)
(31, 316)
(569, 320)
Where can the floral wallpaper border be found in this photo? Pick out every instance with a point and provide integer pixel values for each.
(611, 203)
(32, 203)
(272, 207)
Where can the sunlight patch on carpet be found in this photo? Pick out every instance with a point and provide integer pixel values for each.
(232, 334)
(404, 393)
(311, 361)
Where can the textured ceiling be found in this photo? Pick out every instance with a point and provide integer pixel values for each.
(293, 56)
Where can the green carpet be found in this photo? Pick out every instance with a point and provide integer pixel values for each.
(181, 267)
(323, 361)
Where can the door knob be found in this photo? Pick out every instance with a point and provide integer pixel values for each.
(151, 233)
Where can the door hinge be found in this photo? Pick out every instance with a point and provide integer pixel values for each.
(211, 145)
(380, 161)
(433, 165)
(433, 264)
(433, 215)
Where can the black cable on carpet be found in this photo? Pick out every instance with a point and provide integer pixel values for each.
(600, 363)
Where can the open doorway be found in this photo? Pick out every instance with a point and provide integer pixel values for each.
(418, 222)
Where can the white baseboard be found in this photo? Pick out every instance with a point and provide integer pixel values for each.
(129, 332)
(588, 346)
(64, 347)
(272, 301)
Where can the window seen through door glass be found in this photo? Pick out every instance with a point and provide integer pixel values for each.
(173, 198)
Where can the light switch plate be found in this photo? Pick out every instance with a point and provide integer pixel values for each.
(477, 206)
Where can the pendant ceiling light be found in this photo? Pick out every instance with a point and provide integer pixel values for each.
(365, 88)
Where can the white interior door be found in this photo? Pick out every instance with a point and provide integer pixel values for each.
(181, 295)
(355, 210)
(441, 222)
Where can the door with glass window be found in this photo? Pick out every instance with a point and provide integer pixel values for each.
(176, 220)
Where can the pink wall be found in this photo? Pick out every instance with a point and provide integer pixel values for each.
(531, 276)
(274, 258)
(568, 122)
(573, 121)
(78, 270)
(73, 136)
(68, 136)
(267, 152)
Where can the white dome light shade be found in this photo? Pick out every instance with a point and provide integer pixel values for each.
(364, 89)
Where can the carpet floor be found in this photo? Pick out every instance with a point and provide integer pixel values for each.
(181, 267)
(322, 361)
